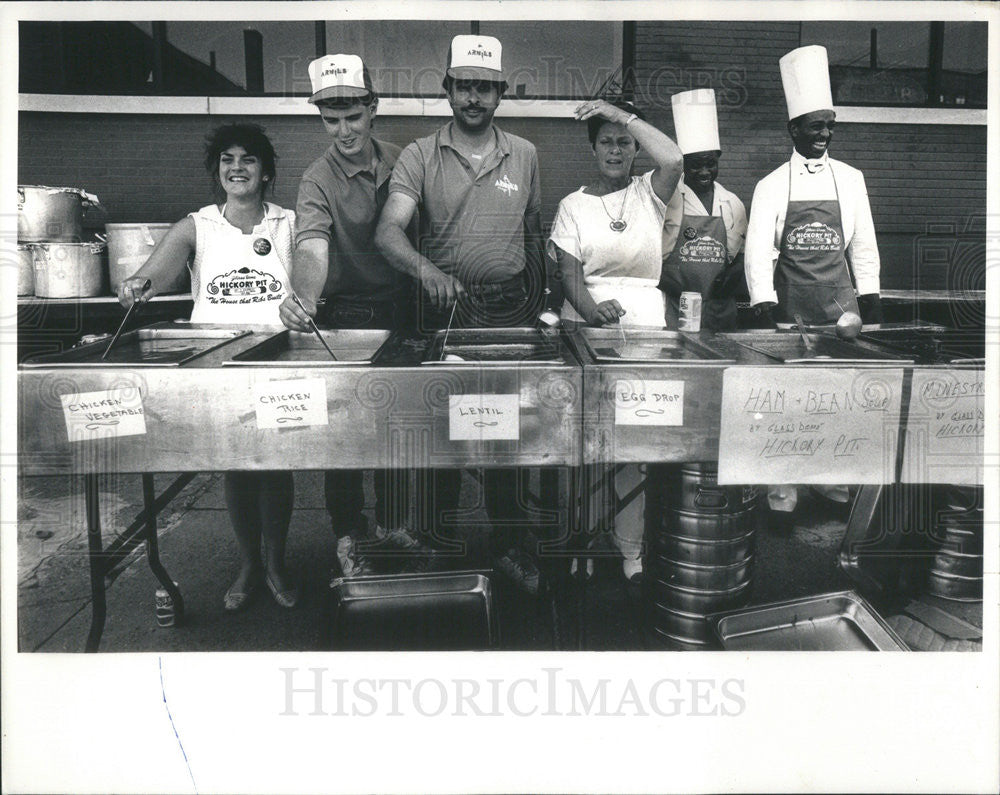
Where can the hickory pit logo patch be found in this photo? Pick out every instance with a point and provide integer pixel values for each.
(816, 236)
(243, 286)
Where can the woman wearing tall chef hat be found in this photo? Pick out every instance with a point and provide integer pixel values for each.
(811, 249)
(711, 221)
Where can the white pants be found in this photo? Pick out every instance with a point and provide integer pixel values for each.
(630, 522)
(785, 498)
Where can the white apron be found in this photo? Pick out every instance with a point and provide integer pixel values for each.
(641, 299)
(238, 279)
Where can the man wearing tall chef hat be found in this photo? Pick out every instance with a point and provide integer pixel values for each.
(711, 222)
(340, 279)
(811, 247)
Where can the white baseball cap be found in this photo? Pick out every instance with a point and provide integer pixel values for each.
(336, 76)
(696, 121)
(475, 58)
(805, 78)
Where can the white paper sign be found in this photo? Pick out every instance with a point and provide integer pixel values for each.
(639, 402)
(809, 425)
(475, 417)
(103, 414)
(290, 404)
(944, 427)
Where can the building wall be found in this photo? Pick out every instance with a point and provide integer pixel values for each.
(926, 182)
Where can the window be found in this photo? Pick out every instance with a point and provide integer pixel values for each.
(210, 58)
(910, 64)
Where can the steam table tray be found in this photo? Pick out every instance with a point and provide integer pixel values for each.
(162, 344)
(350, 346)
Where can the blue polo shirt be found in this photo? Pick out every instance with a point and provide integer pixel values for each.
(471, 224)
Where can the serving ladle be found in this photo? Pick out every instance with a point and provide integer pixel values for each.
(128, 312)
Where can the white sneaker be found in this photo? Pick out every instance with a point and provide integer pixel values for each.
(632, 567)
(352, 563)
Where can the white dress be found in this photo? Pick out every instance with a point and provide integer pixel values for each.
(239, 279)
(622, 265)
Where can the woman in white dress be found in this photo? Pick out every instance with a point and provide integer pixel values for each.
(607, 236)
(606, 245)
(241, 253)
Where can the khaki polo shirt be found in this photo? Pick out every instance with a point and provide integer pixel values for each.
(471, 225)
(340, 202)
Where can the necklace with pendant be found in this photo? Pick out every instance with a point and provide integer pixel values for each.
(617, 224)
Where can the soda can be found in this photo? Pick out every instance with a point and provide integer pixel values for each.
(690, 312)
(165, 616)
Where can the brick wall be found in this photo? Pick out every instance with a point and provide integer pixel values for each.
(148, 168)
(921, 178)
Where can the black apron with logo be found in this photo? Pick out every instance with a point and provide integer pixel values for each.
(812, 277)
(700, 255)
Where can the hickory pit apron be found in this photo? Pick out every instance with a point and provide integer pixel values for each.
(700, 255)
(240, 280)
(811, 277)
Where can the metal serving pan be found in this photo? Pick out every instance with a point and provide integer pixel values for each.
(617, 345)
(937, 344)
(450, 611)
(350, 346)
(789, 349)
(161, 344)
(493, 347)
(840, 621)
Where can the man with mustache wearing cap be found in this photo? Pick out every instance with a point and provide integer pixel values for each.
(811, 249)
(342, 280)
(709, 222)
(479, 263)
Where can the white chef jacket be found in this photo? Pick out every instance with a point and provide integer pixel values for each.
(725, 204)
(767, 221)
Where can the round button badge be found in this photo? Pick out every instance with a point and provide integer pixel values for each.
(262, 246)
(690, 233)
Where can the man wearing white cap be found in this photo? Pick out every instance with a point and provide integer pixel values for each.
(336, 262)
(710, 221)
(480, 257)
(811, 247)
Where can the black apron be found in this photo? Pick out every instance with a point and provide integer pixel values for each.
(812, 278)
(701, 254)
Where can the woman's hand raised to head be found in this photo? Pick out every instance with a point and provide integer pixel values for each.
(598, 107)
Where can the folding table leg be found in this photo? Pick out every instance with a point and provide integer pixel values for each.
(153, 547)
(95, 546)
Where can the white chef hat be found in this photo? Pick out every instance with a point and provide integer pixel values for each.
(805, 77)
(696, 121)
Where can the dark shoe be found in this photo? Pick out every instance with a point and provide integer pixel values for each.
(287, 598)
(520, 569)
(235, 601)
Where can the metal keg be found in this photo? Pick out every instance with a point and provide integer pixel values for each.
(700, 558)
(956, 572)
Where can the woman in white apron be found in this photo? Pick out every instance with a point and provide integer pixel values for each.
(606, 246)
(711, 221)
(241, 255)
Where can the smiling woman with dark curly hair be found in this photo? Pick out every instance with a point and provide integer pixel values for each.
(241, 255)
